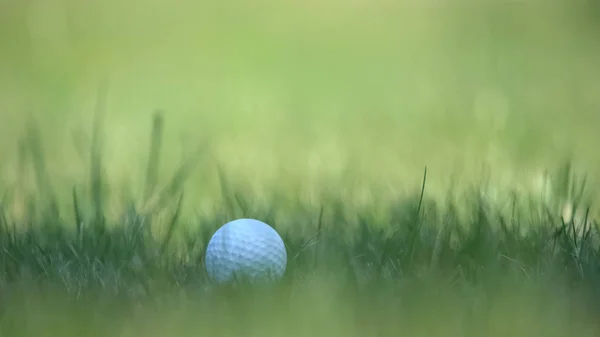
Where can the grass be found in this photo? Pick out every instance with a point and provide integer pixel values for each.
(472, 267)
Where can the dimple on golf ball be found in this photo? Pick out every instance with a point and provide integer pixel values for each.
(245, 250)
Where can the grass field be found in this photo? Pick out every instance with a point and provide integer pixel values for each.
(415, 267)
(419, 159)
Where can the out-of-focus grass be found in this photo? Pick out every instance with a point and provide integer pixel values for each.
(318, 309)
(476, 264)
(300, 94)
(413, 266)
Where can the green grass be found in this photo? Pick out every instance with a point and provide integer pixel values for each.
(414, 266)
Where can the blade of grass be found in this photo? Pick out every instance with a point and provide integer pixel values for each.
(41, 174)
(169, 192)
(153, 156)
(226, 193)
(78, 218)
(172, 223)
(96, 179)
(422, 191)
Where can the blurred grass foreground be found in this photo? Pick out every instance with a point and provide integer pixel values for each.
(430, 165)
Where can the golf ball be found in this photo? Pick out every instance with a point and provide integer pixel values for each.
(245, 250)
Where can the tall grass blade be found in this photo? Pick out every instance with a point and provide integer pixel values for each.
(226, 193)
(78, 217)
(41, 174)
(175, 185)
(96, 164)
(153, 156)
(319, 235)
(172, 223)
(422, 192)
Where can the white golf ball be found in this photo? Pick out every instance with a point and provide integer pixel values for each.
(245, 249)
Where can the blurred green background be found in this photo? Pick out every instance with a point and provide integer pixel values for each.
(305, 95)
